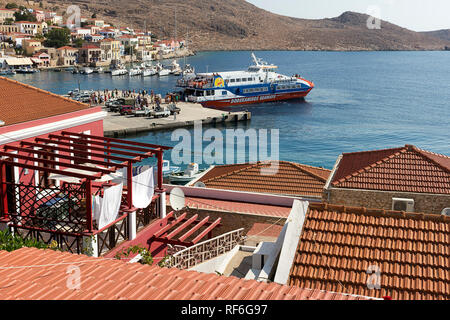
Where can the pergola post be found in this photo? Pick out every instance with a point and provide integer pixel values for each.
(132, 225)
(130, 185)
(4, 190)
(161, 190)
(89, 221)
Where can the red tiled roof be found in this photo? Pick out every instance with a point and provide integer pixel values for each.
(21, 103)
(113, 279)
(288, 179)
(90, 46)
(338, 244)
(67, 48)
(236, 207)
(407, 169)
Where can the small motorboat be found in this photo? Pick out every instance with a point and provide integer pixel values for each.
(149, 72)
(26, 70)
(135, 72)
(86, 70)
(119, 72)
(98, 70)
(192, 172)
(7, 72)
(163, 72)
(175, 68)
(188, 70)
(168, 169)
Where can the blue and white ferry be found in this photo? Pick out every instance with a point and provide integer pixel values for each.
(260, 83)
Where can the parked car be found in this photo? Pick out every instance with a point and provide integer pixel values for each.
(160, 113)
(142, 112)
(85, 98)
(126, 110)
(114, 106)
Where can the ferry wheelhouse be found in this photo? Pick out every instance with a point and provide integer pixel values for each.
(260, 83)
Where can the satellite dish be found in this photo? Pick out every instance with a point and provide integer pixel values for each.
(199, 184)
(177, 199)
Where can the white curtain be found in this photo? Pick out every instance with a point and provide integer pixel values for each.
(143, 189)
(106, 209)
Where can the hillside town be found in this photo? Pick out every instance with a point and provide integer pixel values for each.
(37, 39)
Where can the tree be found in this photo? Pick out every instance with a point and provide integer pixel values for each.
(11, 5)
(57, 38)
(24, 15)
(8, 21)
(78, 42)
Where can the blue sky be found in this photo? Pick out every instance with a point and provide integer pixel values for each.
(417, 15)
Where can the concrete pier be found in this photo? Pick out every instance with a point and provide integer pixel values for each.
(116, 125)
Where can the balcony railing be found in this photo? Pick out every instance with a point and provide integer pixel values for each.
(204, 251)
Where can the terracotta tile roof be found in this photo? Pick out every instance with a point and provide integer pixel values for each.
(338, 244)
(407, 169)
(236, 207)
(90, 46)
(21, 103)
(113, 280)
(67, 48)
(290, 179)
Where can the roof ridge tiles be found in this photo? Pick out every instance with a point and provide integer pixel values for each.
(304, 168)
(380, 212)
(425, 153)
(371, 151)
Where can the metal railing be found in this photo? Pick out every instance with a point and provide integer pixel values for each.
(204, 251)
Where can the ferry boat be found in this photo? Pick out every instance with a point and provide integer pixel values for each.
(260, 83)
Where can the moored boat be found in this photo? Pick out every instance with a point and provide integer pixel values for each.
(135, 72)
(119, 72)
(260, 83)
(7, 72)
(86, 70)
(192, 172)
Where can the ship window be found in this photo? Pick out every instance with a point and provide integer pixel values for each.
(244, 79)
(232, 80)
(224, 93)
(249, 79)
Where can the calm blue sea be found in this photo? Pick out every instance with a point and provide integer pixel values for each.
(362, 100)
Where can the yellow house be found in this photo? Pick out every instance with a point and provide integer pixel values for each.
(4, 28)
(6, 14)
(111, 49)
(31, 46)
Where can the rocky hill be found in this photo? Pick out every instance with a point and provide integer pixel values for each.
(239, 25)
(440, 34)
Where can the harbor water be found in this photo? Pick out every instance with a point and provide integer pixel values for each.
(362, 100)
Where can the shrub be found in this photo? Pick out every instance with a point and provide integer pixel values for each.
(10, 242)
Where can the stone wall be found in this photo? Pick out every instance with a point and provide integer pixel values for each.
(427, 203)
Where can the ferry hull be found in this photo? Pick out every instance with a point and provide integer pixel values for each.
(254, 100)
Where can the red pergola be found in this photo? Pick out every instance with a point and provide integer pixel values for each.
(91, 157)
(186, 228)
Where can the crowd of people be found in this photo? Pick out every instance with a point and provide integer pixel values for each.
(142, 98)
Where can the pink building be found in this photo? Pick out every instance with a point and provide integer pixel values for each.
(55, 165)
